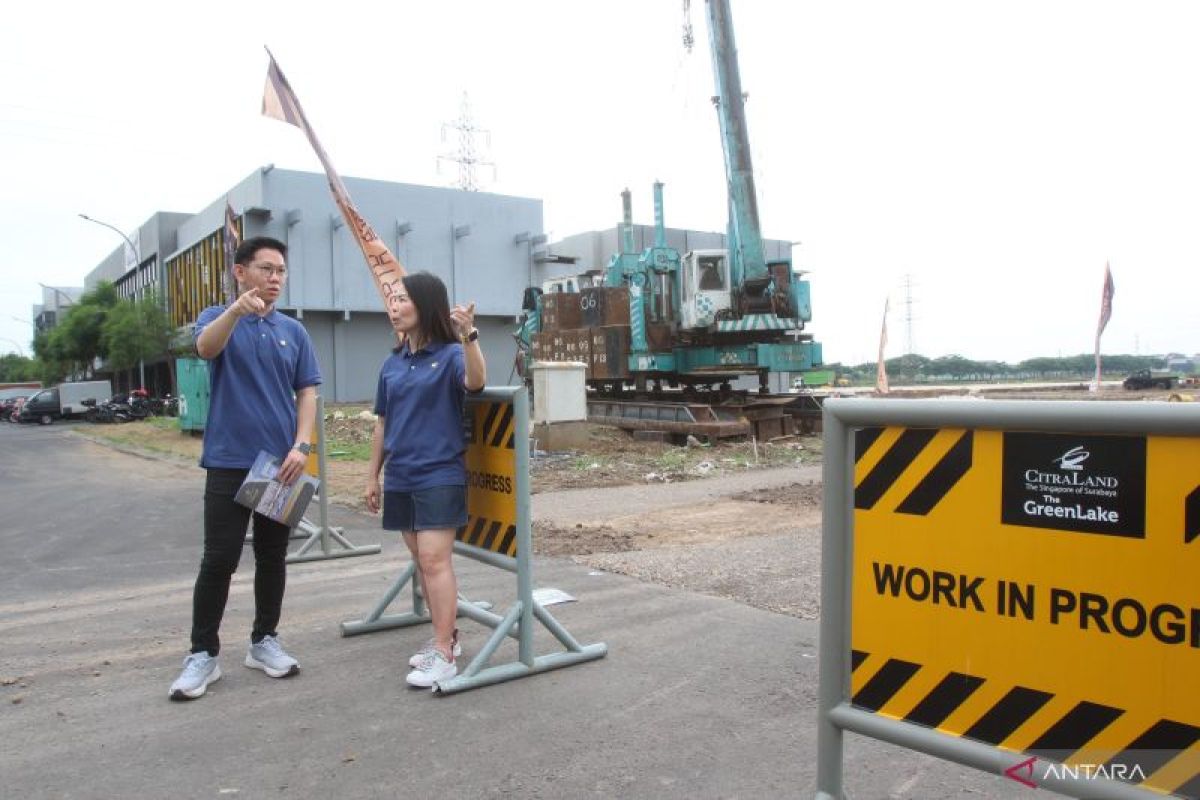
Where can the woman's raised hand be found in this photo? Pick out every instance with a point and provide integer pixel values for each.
(463, 318)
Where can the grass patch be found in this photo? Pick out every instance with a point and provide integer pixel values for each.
(349, 451)
(158, 435)
(585, 463)
(674, 459)
(130, 439)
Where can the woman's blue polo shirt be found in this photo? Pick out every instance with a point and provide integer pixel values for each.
(253, 382)
(420, 397)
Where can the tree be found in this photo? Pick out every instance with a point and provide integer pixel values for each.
(138, 331)
(54, 365)
(18, 369)
(78, 339)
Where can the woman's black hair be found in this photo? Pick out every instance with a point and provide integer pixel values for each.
(427, 292)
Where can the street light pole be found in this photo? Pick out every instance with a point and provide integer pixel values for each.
(58, 292)
(20, 350)
(133, 247)
(137, 256)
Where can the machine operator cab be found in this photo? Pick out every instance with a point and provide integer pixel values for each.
(705, 289)
(573, 283)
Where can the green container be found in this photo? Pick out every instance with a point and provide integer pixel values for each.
(819, 377)
(192, 374)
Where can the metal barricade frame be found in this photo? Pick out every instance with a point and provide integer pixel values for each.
(841, 419)
(518, 621)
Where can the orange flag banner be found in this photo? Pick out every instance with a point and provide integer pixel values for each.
(279, 101)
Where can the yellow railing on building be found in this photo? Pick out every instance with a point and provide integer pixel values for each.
(195, 277)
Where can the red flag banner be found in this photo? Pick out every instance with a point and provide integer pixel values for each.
(881, 378)
(1106, 298)
(279, 101)
(231, 239)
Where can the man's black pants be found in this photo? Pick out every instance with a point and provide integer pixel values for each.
(225, 524)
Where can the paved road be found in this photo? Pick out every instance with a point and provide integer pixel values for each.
(700, 697)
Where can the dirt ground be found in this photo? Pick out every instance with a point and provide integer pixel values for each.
(612, 458)
(755, 513)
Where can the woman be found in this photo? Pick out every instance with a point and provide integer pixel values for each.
(419, 442)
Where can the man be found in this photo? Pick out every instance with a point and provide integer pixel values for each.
(264, 397)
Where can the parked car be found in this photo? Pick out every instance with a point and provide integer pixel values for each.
(63, 401)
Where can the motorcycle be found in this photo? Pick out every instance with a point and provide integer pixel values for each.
(112, 410)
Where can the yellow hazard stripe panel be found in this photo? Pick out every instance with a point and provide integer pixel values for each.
(1162, 754)
(491, 478)
(1034, 592)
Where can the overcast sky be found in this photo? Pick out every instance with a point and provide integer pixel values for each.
(997, 153)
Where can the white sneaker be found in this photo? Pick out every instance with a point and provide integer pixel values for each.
(433, 669)
(199, 670)
(427, 650)
(269, 656)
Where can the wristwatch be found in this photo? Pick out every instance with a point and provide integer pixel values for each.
(470, 337)
(303, 447)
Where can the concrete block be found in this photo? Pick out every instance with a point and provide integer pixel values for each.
(559, 436)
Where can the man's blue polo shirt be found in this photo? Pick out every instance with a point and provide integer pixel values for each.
(420, 398)
(252, 404)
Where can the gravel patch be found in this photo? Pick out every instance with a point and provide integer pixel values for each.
(780, 573)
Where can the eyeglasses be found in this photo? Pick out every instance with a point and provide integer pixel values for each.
(270, 270)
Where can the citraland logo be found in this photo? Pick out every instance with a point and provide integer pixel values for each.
(1023, 772)
(1073, 459)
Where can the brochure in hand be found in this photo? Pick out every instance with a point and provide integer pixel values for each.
(266, 495)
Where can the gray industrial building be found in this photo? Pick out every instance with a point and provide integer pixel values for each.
(134, 268)
(56, 301)
(478, 243)
(487, 248)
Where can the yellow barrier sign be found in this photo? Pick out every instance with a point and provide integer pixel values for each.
(1038, 592)
(491, 478)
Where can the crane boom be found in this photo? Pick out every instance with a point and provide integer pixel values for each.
(694, 319)
(747, 259)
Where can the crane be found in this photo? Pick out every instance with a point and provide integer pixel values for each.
(696, 319)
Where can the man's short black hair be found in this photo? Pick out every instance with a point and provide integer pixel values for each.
(249, 248)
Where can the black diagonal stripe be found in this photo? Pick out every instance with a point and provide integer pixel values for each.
(894, 462)
(1191, 516)
(863, 439)
(475, 529)
(941, 479)
(1077, 727)
(885, 683)
(1163, 741)
(490, 538)
(856, 658)
(493, 410)
(508, 545)
(1189, 790)
(1007, 715)
(950, 693)
(504, 427)
(511, 439)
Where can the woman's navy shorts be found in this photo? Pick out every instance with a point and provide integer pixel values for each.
(425, 509)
